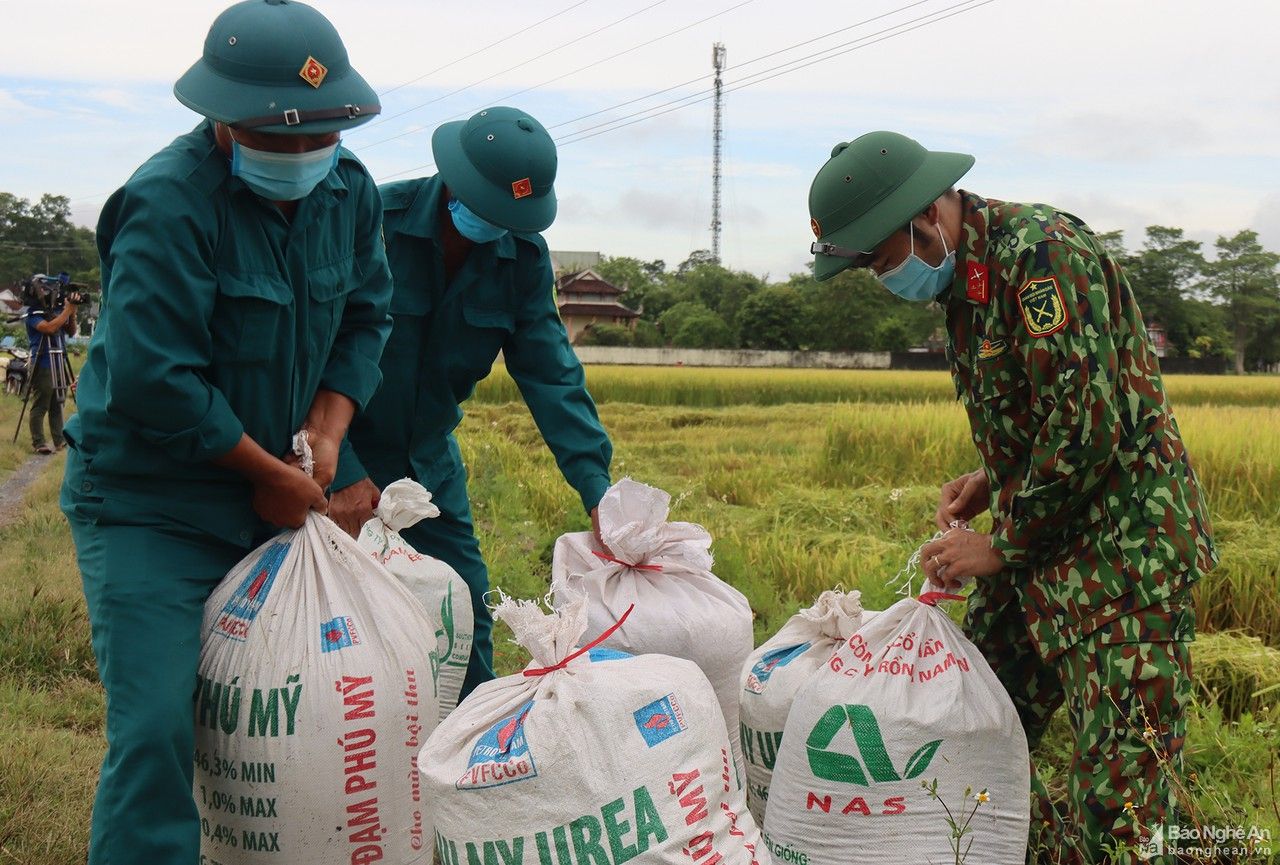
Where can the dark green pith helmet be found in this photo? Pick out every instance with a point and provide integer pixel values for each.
(501, 164)
(276, 66)
(871, 187)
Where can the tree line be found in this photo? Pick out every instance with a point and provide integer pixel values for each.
(39, 237)
(1227, 307)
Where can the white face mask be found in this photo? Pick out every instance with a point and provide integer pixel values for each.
(915, 278)
(282, 176)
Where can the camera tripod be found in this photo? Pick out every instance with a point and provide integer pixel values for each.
(59, 367)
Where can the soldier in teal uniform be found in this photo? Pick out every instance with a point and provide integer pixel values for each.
(244, 297)
(1082, 592)
(472, 277)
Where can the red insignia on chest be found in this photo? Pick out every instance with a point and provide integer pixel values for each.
(976, 286)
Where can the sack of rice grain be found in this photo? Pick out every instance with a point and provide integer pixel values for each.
(313, 698)
(777, 670)
(905, 702)
(588, 757)
(437, 586)
(663, 570)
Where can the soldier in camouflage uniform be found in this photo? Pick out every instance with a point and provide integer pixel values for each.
(1082, 590)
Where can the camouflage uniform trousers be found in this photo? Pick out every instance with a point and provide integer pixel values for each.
(1126, 688)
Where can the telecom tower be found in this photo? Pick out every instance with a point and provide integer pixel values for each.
(717, 60)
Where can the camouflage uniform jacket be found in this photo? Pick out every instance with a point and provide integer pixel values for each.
(1096, 509)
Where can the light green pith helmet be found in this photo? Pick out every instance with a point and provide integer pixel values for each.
(502, 165)
(871, 187)
(276, 66)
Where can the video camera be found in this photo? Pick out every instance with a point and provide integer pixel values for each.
(52, 292)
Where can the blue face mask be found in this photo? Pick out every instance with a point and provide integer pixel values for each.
(282, 176)
(915, 279)
(472, 227)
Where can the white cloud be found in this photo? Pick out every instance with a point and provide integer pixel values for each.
(115, 97)
(13, 103)
(1267, 221)
(1126, 114)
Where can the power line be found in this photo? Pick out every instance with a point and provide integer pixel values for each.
(702, 96)
(92, 195)
(611, 57)
(777, 71)
(41, 248)
(765, 74)
(492, 44)
(692, 99)
(828, 35)
(546, 53)
(388, 118)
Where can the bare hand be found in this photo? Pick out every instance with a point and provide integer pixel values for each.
(595, 530)
(351, 507)
(957, 556)
(963, 499)
(285, 496)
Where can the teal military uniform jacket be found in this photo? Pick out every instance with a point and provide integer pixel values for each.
(220, 317)
(446, 338)
(1098, 513)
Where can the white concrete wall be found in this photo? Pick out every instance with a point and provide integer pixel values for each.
(627, 356)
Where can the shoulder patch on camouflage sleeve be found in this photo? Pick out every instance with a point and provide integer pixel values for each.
(1044, 310)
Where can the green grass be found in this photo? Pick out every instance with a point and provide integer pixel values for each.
(703, 387)
(799, 497)
(12, 454)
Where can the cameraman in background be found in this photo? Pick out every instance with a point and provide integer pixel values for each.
(51, 318)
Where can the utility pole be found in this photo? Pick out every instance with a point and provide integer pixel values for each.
(717, 61)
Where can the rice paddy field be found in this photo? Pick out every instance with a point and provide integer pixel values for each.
(808, 479)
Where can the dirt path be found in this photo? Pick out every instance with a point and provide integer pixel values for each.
(14, 487)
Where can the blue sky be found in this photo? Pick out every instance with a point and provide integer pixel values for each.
(1125, 113)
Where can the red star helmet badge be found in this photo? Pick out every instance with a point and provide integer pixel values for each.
(313, 71)
(521, 188)
(817, 229)
(976, 286)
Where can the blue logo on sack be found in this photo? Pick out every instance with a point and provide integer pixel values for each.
(338, 633)
(660, 720)
(243, 606)
(760, 673)
(501, 756)
(597, 655)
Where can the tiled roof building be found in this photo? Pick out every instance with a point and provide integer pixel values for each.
(585, 298)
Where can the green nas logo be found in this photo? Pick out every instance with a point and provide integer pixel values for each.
(875, 766)
(870, 765)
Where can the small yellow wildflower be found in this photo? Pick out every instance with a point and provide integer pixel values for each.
(983, 797)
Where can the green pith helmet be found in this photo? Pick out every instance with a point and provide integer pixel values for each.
(871, 187)
(501, 164)
(276, 66)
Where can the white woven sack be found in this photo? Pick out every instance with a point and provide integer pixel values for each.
(437, 586)
(663, 569)
(777, 670)
(905, 701)
(313, 698)
(585, 759)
